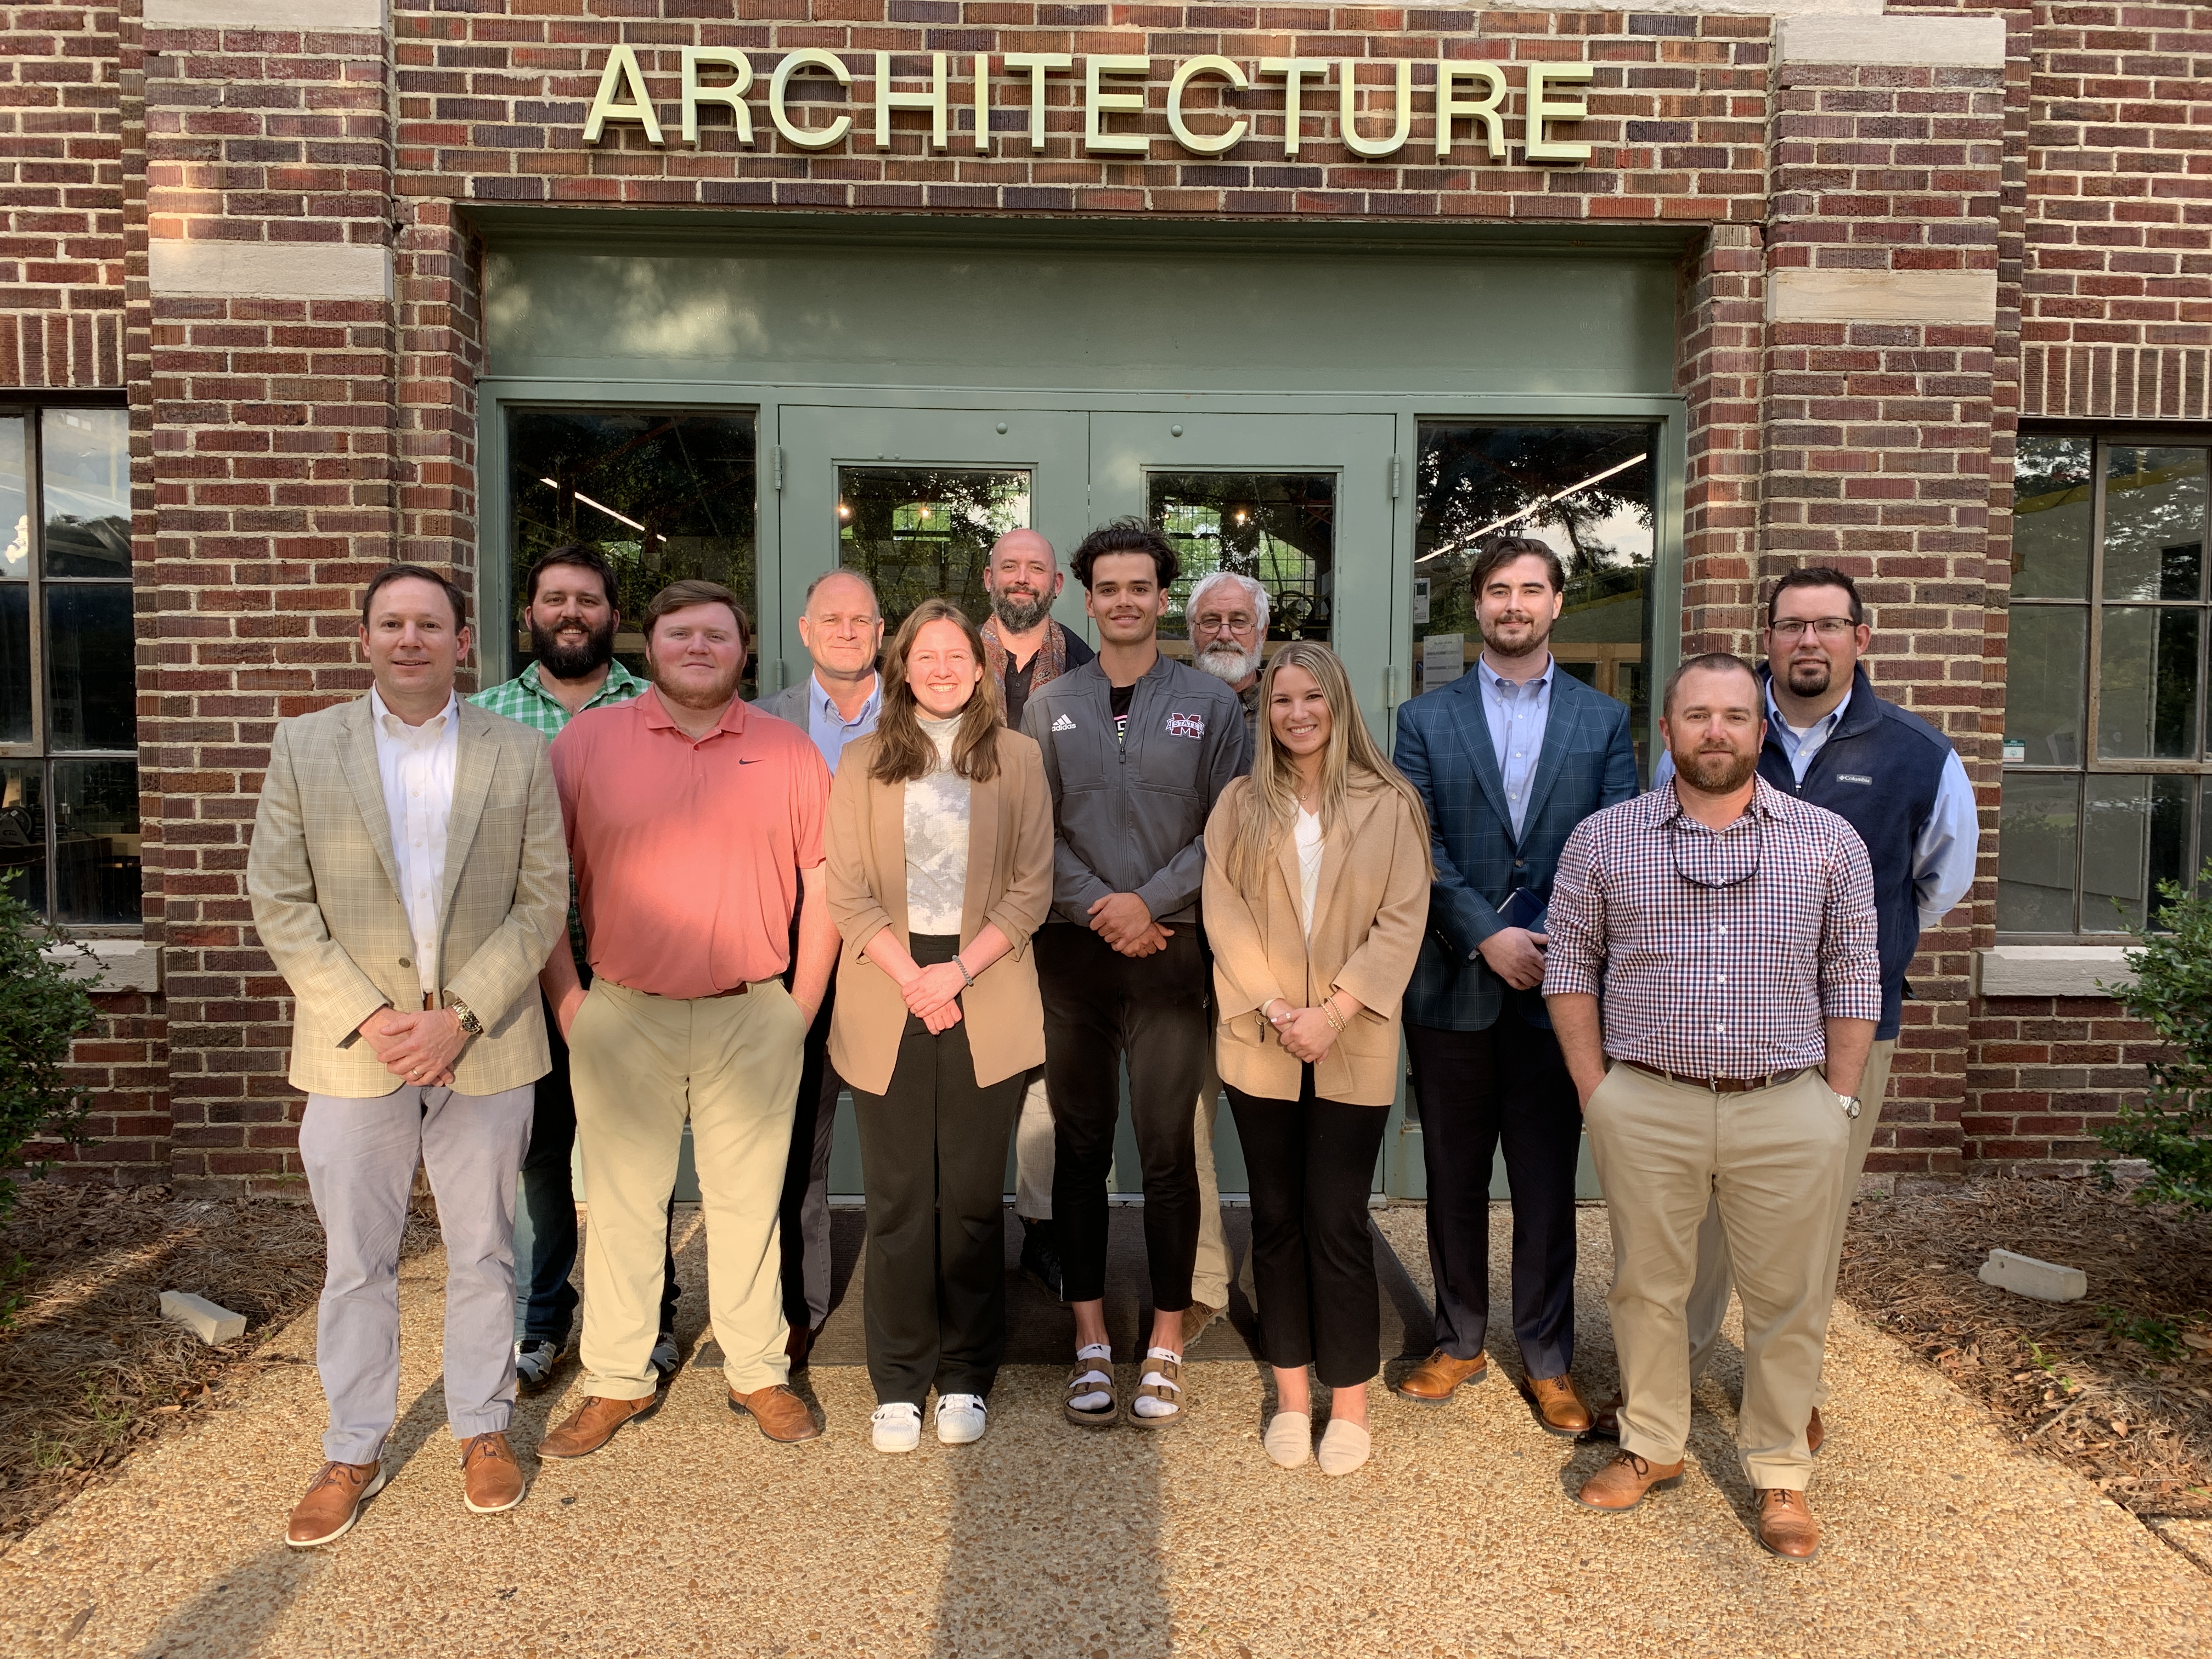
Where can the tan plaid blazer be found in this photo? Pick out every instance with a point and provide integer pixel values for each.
(326, 895)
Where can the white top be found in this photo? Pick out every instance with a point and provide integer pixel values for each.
(1307, 837)
(415, 765)
(937, 811)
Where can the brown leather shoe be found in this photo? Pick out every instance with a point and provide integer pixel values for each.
(1786, 1524)
(594, 1424)
(1814, 1434)
(1621, 1484)
(1436, 1378)
(332, 1503)
(1196, 1318)
(781, 1415)
(1560, 1404)
(491, 1480)
(1605, 1422)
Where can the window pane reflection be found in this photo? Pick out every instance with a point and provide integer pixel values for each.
(91, 698)
(2136, 835)
(2039, 826)
(2053, 482)
(14, 500)
(96, 843)
(85, 477)
(14, 662)
(1279, 528)
(2147, 684)
(925, 532)
(2154, 501)
(22, 834)
(2047, 666)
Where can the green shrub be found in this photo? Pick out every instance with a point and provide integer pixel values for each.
(41, 1008)
(2173, 994)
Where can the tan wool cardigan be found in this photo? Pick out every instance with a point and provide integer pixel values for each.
(1371, 905)
(1009, 882)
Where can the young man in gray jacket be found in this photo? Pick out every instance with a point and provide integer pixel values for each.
(1137, 749)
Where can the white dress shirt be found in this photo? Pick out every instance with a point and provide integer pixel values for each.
(415, 765)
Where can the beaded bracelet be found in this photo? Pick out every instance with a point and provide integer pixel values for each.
(1329, 1013)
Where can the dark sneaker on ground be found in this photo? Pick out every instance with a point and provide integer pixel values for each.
(1041, 1256)
(666, 1359)
(535, 1361)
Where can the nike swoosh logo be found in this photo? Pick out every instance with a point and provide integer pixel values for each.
(755, 761)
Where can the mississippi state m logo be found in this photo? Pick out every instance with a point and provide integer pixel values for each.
(1186, 726)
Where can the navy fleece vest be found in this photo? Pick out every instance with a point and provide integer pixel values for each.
(1879, 771)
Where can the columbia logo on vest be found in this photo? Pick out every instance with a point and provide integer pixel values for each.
(1852, 777)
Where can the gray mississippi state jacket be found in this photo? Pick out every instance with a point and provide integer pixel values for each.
(1128, 818)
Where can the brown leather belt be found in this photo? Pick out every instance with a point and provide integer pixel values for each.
(1721, 1085)
(737, 990)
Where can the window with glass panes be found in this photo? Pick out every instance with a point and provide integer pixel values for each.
(2107, 777)
(69, 767)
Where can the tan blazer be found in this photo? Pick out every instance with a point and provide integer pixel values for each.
(1009, 882)
(326, 896)
(1371, 904)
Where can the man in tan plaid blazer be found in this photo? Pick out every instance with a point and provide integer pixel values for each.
(409, 877)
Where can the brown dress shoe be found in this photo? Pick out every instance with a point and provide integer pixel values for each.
(1621, 1484)
(1605, 1422)
(332, 1503)
(1786, 1524)
(1814, 1434)
(1560, 1404)
(1196, 1318)
(781, 1415)
(491, 1480)
(1438, 1377)
(594, 1424)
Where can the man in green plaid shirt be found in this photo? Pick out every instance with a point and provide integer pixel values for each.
(570, 611)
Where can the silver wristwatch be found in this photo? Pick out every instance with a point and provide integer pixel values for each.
(1851, 1104)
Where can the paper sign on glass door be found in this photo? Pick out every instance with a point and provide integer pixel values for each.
(1443, 657)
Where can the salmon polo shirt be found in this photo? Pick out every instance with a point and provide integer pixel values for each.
(687, 854)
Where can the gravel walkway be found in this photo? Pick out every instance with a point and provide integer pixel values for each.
(691, 1534)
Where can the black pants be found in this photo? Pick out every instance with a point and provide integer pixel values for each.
(1101, 1007)
(933, 1162)
(1311, 1163)
(804, 1213)
(1476, 1089)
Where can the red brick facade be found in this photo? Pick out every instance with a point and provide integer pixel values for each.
(291, 444)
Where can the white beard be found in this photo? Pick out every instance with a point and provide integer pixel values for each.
(1229, 667)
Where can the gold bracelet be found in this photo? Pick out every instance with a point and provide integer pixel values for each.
(1329, 1013)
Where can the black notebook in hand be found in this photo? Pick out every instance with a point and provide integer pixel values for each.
(1521, 909)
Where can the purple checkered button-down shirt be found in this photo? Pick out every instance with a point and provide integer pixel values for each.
(1717, 953)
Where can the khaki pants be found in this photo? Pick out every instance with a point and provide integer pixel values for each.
(1033, 1161)
(1773, 1160)
(1708, 1297)
(641, 1066)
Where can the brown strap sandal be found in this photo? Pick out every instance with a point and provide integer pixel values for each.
(1093, 1376)
(1162, 1381)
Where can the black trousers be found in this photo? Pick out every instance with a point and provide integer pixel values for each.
(933, 1163)
(1311, 1163)
(1476, 1089)
(804, 1213)
(1100, 1008)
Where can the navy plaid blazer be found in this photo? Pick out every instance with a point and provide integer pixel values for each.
(1444, 750)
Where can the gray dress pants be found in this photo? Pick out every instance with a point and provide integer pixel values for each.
(361, 1156)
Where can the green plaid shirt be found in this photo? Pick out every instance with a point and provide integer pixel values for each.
(524, 699)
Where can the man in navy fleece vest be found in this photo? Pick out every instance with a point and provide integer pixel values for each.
(1898, 781)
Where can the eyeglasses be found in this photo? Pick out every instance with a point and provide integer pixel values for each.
(1715, 860)
(1828, 628)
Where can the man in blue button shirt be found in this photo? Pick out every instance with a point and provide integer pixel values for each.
(843, 628)
(1895, 780)
(1508, 759)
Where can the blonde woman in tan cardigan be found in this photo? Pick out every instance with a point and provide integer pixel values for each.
(940, 867)
(1317, 877)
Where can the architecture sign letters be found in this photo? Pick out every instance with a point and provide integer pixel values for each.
(1468, 97)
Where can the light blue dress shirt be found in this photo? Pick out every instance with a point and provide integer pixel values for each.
(1944, 851)
(1518, 711)
(831, 729)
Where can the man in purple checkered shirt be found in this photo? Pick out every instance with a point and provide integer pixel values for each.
(1729, 932)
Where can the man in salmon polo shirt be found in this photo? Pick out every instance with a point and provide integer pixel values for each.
(694, 825)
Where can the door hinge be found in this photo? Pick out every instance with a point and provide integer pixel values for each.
(1397, 477)
(775, 467)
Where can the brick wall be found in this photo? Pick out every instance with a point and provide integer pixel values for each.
(2048, 1072)
(123, 1060)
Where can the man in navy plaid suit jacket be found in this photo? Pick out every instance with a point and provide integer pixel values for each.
(1508, 759)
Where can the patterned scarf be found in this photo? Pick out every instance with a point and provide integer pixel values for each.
(1051, 660)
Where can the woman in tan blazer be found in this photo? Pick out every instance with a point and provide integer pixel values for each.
(941, 868)
(1317, 880)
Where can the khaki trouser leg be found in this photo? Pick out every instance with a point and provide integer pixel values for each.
(628, 1065)
(1033, 1153)
(1709, 1298)
(1209, 1273)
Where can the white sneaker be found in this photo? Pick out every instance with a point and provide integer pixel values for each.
(959, 1419)
(896, 1428)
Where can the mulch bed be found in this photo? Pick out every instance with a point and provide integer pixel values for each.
(2117, 1385)
(89, 1370)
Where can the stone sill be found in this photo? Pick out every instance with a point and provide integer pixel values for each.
(123, 965)
(2051, 970)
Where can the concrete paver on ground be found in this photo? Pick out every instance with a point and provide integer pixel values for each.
(691, 1534)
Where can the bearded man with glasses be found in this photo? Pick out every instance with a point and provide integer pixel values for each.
(1715, 939)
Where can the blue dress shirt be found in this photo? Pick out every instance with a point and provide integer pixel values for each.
(1517, 712)
(831, 729)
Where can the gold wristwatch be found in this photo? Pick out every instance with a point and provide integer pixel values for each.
(471, 1025)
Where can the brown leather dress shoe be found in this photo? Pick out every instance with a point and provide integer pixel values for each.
(1560, 1404)
(1814, 1434)
(781, 1415)
(332, 1503)
(594, 1424)
(1786, 1524)
(491, 1480)
(1196, 1318)
(1622, 1483)
(1605, 1422)
(1438, 1377)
